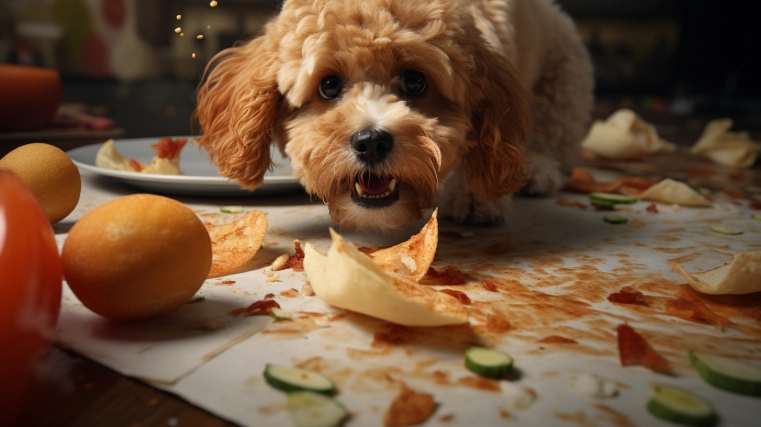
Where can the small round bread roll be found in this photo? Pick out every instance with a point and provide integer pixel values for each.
(49, 174)
(137, 257)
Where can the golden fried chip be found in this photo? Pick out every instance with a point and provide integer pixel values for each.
(718, 144)
(347, 278)
(235, 244)
(624, 135)
(674, 192)
(413, 257)
(740, 275)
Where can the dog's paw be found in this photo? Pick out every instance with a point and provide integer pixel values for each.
(544, 177)
(467, 208)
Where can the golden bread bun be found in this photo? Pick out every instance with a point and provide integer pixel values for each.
(137, 257)
(49, 174)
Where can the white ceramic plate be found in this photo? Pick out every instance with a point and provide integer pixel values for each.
(199, 178)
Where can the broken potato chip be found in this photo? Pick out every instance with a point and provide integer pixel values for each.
(740, 275)
(347, 278)
(721, 146)
(233, 245)
(413, 257)
(166, 161)
(624, 135)
(674, 193)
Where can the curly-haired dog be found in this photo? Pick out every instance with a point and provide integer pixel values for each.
(380, 104)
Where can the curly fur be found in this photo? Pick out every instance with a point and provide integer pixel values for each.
(482, 61)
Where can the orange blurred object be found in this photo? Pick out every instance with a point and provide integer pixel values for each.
(30, 284)
(30, 97)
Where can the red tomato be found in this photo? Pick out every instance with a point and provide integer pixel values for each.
(30, 291)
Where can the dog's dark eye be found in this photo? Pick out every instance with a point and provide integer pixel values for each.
(331, 87)
(413, 83)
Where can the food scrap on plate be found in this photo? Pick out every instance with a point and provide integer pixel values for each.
(740, 275)
(166, 161)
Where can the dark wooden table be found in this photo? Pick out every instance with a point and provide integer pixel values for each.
(74, 391)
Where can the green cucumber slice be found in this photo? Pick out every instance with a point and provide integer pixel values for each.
(309, 409)
(602, 205)
(728, 374)
(296, 379)
(615, 219)
(231, 209)
(617, 199)
(729, 231)
(279, 314)
(756, 216)
(680, 406)
(488, 363)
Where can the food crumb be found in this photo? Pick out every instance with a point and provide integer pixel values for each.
(275, 277)
(409, 408)
(307, 290)
(296, 261)
(446, 418)
(280, 263)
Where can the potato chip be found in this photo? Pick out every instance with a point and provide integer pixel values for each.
(413, 257)
(740, 275)
(235, 244)
(674, 192)
(624, 135)
(717, 144)
(347, 278)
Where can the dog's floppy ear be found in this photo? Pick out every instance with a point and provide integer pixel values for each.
(238, 102)
(495, 166)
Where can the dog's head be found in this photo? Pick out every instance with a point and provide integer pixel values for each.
(374, 101)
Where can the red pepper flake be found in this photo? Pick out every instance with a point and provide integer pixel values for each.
(134, 164)
(557, 339)
(489, 286)
(626, 296)
(261, 308)
(652, 208)
(168, 148)
(694, 312)
(447, 276)
(633, 349)
(296, 261)
(460, 296)
(269, 296)
(572, 203)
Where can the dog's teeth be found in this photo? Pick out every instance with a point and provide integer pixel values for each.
(391, 185)
(359, 189)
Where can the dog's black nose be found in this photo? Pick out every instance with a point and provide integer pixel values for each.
(371, 145)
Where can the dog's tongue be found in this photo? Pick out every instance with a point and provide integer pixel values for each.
(375, 185)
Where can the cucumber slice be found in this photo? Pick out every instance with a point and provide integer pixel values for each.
(679, 406)
(309, 409)
(488, 363)
(279, 314)
(231, 209)
(602, 205)
(616, 199)
(729, 231)
(615, 219)
(756, 216)
(728, 374)
(296, 379)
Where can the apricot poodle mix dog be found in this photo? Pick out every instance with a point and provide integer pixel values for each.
(387, 107)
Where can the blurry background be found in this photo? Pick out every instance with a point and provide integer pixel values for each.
(138, 62)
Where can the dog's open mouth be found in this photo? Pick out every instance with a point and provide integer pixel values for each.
(374, 191)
